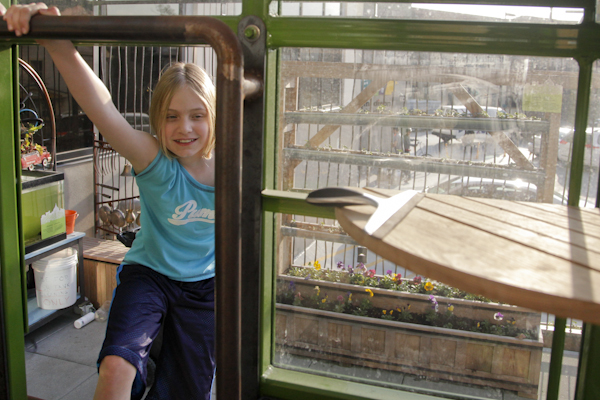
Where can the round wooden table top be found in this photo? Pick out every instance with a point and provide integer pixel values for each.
(541, 256)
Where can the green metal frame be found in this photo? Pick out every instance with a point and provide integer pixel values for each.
(11, 241)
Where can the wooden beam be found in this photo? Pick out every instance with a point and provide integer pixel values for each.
(351, 108)
(500, 137)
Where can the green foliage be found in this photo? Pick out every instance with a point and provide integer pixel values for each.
(441, 316)
(361, 275)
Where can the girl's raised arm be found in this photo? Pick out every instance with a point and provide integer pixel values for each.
(140, 148)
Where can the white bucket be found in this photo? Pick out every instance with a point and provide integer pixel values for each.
(56, 280)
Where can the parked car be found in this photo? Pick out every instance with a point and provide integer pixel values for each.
(516, 190)
(140, 121)
(77, 131)
(565, 135)
(565, 146)
(31, 159)
(74, 132)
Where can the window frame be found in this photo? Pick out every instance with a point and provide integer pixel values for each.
(573, 41)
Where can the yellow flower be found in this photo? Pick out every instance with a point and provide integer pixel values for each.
(369, 291)
(478, 324)
(391, 312)
(451, 308)
(318, 290)
(384, 312)
(324, 299)
(428, 286)
(398, 309)
(317, 265)
(350, 297)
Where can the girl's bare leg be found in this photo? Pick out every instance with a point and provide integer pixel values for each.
(115, 379)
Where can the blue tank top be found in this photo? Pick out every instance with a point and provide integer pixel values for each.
(177, 235)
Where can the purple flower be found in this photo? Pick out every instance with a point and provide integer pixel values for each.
(498, 316)
(388, 272)
(434, 303)
(340, 265)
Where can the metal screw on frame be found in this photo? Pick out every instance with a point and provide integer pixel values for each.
(252, 32)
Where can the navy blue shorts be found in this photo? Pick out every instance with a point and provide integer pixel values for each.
(142, 302)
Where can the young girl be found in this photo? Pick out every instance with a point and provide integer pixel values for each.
(167, 278)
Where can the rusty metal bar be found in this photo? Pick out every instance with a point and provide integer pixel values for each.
(191, 30)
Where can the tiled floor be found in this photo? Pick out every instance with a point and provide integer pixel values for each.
(61, 365)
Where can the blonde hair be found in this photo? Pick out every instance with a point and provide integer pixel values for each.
(173, 78)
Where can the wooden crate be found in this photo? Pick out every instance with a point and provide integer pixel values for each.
(101, 259)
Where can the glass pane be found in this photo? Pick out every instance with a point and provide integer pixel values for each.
(482, 125)
(342, 311)
(199, 7)
(181, 8)
(591, 156)
(438, 12)
(472, 125)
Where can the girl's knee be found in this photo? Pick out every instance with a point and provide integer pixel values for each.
(116, 368)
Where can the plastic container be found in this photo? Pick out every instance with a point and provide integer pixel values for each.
(70, 217)
(102, 313)
(83, 321)
(56, 280)
(42, 191)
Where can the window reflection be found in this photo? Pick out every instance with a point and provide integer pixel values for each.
(471, 125)
(424, 11)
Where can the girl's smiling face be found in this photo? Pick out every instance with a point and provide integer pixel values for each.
(186, 128)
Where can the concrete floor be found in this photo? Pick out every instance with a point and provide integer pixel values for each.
(61, 365)
(61, 360)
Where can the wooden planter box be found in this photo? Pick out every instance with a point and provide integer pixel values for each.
(438, 353)
(420, 303)
(449, 354)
